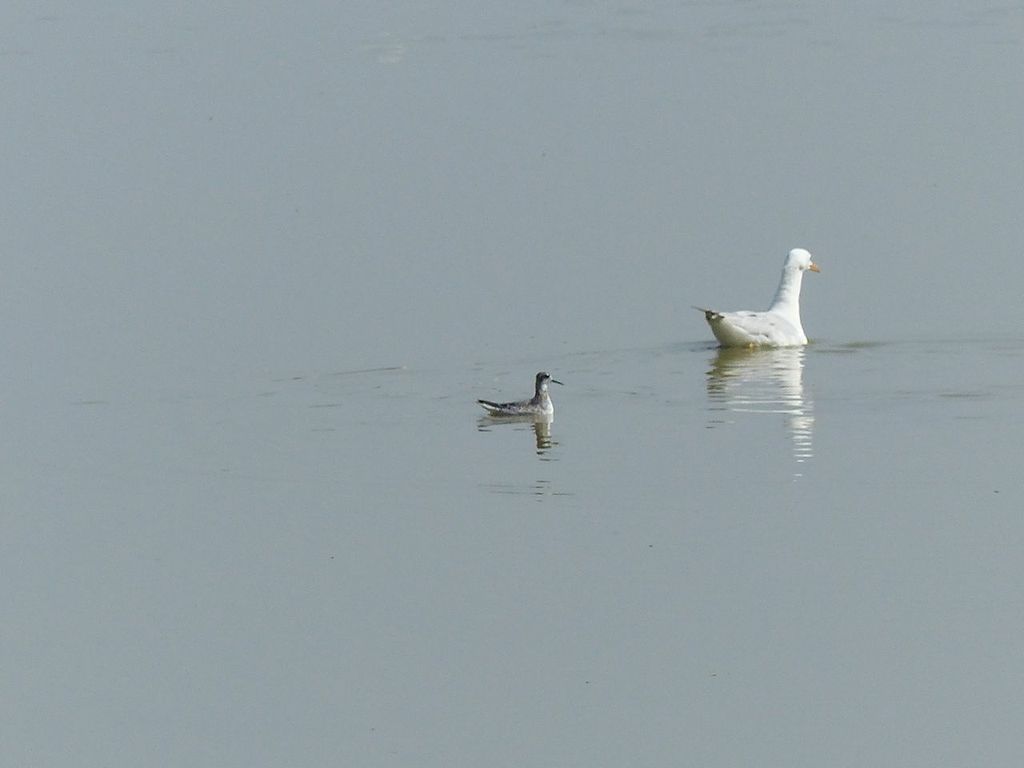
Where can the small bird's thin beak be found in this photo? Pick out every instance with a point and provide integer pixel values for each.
(556, 381)
(814, 267)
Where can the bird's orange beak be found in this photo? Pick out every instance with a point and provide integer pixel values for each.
(814, 267)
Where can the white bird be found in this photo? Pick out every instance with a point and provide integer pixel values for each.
(779, 326)
(539, 405)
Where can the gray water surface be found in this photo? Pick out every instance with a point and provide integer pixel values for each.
(260, 263)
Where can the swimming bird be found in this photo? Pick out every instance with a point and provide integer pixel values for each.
(779, 325)
(539, 404)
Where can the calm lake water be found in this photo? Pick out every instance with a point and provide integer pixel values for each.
(259, 268)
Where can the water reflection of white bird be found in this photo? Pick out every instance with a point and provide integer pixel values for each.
(766, 381)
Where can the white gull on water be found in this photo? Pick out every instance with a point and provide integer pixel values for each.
(779, 325)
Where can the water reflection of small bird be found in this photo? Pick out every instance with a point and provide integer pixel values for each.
(539, 404)
(779, 326)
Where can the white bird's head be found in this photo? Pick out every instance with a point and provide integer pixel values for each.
(800, 258)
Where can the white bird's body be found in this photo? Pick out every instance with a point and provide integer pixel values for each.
(779, 325)
(538, 405)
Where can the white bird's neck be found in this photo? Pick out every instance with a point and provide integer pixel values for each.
(787, 298)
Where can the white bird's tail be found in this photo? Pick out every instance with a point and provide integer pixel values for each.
(709, 314)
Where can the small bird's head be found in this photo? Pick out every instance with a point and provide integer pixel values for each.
(543, 379)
